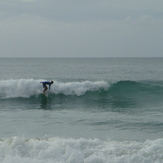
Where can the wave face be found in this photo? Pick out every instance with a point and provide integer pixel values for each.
(143, 92)
(117, 94)
(48, 150)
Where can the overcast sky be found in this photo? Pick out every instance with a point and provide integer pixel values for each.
(81, 28)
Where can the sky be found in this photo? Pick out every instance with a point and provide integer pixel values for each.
(81, 28)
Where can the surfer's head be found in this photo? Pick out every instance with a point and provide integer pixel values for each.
(52, 82)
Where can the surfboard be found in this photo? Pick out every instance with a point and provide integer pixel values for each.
(42, 95)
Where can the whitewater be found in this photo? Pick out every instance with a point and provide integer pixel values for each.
(29, 87)
(81, 150)
(97, 111)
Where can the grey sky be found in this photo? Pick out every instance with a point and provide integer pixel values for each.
(81, 28)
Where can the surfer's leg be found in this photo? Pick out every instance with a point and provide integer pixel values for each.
(45, 88)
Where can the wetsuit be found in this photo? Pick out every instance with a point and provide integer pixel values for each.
(46, 83)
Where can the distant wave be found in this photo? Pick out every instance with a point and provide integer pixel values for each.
(56, 149)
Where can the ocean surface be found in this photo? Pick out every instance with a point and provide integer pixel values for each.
(99, 110)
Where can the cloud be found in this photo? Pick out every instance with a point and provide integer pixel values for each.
(29, 35)
(80, 29)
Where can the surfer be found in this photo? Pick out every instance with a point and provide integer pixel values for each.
(45, 83)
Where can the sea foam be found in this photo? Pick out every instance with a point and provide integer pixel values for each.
(29, 87)
(70, 150)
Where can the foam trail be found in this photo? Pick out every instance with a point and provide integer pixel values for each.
(26, 88)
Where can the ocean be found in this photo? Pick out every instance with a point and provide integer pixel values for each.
(99, 110)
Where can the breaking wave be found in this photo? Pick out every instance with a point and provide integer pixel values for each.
(56, 149)
(116, 94)
(29, 87)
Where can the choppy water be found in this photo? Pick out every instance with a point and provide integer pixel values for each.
(98, 110)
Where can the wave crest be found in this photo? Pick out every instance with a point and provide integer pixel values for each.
(79, 88)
